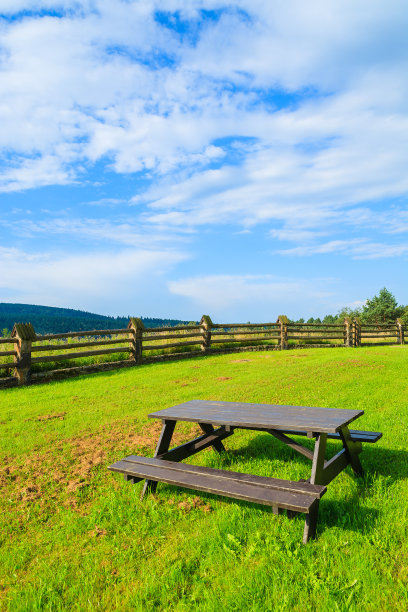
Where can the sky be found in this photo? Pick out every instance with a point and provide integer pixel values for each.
(171, 158)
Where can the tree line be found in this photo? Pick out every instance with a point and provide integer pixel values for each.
(379, 310)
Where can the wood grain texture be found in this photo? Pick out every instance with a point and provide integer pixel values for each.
(269, 491)
(261, 416)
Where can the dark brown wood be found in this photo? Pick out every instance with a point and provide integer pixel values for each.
(292, 443)
(171, 329)
(154, 347)
(264, 332)
(79, 355)
(318, 459)
(217, 445)
(7, 365)
(228, 340)
(195, 446)
(162, 446)
(93, 332)
(260, 489)
(333, 467)
(68, 346)
(309, 532)
(293, 337)
(8, 340)
(155, 338)
(8, 353)
(352, 449)
(356, 435)
(234, 325)
(261, 416)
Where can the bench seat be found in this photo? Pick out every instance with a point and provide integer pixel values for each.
(356, 436)
(280, 494)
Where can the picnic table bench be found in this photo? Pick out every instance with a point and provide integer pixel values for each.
(279, 421)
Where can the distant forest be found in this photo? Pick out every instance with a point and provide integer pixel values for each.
(382, 308)
(50, 320)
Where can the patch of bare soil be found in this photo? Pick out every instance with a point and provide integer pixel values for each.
(48, 417)
(240, 360)
(194, 503)
(185, 383)
(357, 363)
(70, 465)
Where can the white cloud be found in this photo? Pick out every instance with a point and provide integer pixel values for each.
(358, 248)
(225, 295)
(105, 81)
(118, 281)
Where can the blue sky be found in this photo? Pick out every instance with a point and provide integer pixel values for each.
(165, 158)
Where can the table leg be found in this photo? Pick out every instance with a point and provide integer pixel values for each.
(352, 449)
(163, 444)
(318, 459)
(309, 531)
(207, 428)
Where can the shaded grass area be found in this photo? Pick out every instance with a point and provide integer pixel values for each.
(75, 536)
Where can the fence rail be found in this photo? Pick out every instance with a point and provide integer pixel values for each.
(145, 345)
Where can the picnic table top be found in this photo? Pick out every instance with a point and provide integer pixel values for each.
(262, 416)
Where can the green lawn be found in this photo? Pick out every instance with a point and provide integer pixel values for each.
(75, 536)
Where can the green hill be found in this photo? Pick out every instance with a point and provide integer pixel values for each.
(51, 320)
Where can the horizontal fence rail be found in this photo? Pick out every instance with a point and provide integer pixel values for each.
(95, 350)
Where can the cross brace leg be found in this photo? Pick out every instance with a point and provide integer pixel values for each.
(217, 445)
(163, 444)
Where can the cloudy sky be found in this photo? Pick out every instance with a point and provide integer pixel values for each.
(172, 158)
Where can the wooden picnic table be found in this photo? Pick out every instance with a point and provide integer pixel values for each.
(219, 420)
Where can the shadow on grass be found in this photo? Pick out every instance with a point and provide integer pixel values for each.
(390, 463)
(347, 514)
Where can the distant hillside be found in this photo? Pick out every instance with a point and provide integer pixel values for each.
(50, 320)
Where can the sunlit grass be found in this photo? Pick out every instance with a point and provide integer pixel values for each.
(75, 536)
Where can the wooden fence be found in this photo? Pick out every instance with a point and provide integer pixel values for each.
(136, 344)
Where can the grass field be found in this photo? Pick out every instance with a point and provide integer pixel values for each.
(74, 536)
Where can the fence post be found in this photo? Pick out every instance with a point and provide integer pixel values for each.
(25, 334)
(356, 332)
(283, 331)
(400, 332)
(348, 332)
(136, 338)
(206, 325)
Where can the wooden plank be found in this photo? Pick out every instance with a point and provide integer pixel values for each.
(261, 416)
(153, 347)
(294, 486)
(94, 332)
(8, 365)
(356, 435)
(292, 443)
(8, 353)
(162, 446)
(379, 336)
(195, 446)
(352, 449)
(234, 325)
(172, 336)
(69, 346)
(228, 340)
(79, 355)
(8, 340)
(318, 459)
(170, 329)
(333, 467)
(222, 483)
(309, 532)
(292, 337)
(266, 332)
(217, 445)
